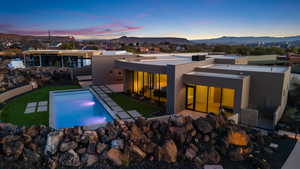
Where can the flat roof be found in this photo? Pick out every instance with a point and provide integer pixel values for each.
(161, 60)
(232, 57)
(252, 68)
(220, 75)
(174, 58)
(115, 52)
(173, 54)
(84, 53)
(164, 61)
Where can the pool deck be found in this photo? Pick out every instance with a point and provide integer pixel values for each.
(117, 112)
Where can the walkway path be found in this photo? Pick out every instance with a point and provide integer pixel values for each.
(117, 111)
(293, 161)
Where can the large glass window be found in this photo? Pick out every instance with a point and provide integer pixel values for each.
(214, 99)
(228, 98)
(163, 87)
(146, 88)
(150, 85)
(135, 82)
(201, 99)
(140, 83)
(209, 98)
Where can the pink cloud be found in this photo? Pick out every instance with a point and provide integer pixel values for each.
(94, 30)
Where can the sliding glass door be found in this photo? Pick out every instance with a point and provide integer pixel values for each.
(208, 98)
(150, 85)
(190, 99)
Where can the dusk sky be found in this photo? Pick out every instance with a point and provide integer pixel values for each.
(191, 19)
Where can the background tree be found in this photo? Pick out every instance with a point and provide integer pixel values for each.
(67, 45)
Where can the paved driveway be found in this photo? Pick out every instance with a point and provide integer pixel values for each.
(293, 161)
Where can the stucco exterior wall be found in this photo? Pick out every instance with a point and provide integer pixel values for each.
(285, 88)
(176, 87)
(104, 70)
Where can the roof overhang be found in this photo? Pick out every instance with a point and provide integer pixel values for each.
(140, 67)
(215, 79)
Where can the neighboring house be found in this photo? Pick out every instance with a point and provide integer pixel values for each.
(143, 49)
(253, 95)
(59, 58)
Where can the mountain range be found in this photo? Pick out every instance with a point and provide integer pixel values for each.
(229, 40)
(153, 40)
(16, 37)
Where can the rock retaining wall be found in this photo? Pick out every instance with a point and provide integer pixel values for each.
(179, 142)
(14, 78)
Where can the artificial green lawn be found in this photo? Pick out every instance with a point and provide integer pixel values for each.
(130, 103)
(13, 111)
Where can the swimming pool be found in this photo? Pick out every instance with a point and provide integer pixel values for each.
(76, 108)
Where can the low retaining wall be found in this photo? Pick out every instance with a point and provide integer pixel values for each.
(17, 91)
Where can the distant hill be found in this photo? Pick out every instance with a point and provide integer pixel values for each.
(16, 37)
(154, 40)
(247, 40)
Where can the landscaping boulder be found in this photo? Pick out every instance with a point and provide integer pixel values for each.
(236, 155)
(9, 138)
(32, 131)
(138, 151)
(91, 148)
(203, 125)
(70, 159)
(190, 153)
(13, 148)
(238, 137)
(91, 136)
(136, 133)
(53, 141)
(118, 144)
(168, 152)
(199, 162)
(66, 146)
(117, 157)
(213, 156)
(89, 159)
(100, 148)
(31, 155)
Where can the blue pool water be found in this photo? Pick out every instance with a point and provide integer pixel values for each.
(77, 108)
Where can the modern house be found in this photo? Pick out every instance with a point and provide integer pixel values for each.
(195, 82)
(252, 95)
